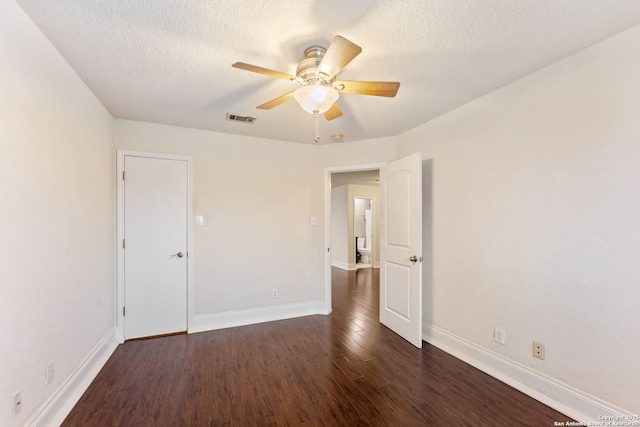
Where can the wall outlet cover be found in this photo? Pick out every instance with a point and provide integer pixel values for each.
(538, 350)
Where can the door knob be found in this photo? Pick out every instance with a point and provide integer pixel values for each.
(413, 259)
(179, 255)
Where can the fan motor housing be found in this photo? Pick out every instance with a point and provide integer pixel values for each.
(308, 68)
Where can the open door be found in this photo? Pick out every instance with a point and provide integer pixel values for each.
(401, 248)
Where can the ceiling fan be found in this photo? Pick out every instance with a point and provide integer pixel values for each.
(316, 73)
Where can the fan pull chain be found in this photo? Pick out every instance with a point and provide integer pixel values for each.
(315, 116)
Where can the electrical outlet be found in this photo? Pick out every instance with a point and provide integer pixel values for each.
(17, 403)
(48, 373)
(499, 335)
(274, 293)
(538, 350)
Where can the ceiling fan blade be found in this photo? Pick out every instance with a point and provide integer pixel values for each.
(333, 113)
(340, 52)
(265, 71)
(277, 101)
(388, 89)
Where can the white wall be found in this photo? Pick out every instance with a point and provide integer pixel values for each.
(255, 196)
(536, 207)
(357, 153)
(56, 219)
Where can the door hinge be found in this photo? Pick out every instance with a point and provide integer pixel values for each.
(123, 244)
(124, 311)
(123, 175)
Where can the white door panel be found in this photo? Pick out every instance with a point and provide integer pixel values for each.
(398, 292)
(401, 241)
(155, 254)
(397, 224)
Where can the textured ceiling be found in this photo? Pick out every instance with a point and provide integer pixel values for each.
(169, 61)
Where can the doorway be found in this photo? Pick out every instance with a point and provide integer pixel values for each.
(354, 196)
(402, 200)
(335, 177)
(154, 199)
(364, 230)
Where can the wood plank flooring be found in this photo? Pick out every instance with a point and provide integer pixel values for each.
(345, 369)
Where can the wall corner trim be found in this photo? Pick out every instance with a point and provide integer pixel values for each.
(574, 403)
(59, 405)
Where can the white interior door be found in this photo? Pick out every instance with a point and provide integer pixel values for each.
(401, 248)
(155, 246)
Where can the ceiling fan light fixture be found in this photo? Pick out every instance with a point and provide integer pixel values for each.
(316, 98)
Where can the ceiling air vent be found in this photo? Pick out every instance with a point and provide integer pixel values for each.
(244, 119)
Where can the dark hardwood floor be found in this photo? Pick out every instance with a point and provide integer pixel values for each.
(345, 369)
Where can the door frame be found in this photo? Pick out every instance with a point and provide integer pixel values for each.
(119, 288)
(327, 222)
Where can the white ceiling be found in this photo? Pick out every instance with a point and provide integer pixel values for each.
(169, 61)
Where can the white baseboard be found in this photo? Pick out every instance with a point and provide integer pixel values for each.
(211, 322)
(339, 264)
(343, 265)
(59, 405)
(578, 405)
